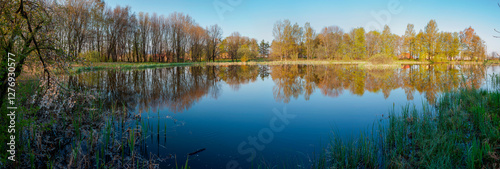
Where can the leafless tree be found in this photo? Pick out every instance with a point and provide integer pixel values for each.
(214, 37)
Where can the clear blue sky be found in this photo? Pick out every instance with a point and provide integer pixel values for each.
(255, 18)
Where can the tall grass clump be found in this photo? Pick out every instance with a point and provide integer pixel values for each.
(495, 81)
(380, 59)
(461, 131)
(92, 56)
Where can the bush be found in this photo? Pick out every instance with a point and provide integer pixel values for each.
(244, 58)
(381, 59)
(245, 54)
(439, 58)
(92, 56)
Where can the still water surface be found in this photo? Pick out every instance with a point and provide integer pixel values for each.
(263, 115)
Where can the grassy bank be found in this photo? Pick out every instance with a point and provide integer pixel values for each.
(461, 131)
(127, 65)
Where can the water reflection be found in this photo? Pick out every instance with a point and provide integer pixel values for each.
(178, 88)
(175, 88)
(332, 80)
(223, 105)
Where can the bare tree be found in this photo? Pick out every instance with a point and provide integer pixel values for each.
(180, 24)
(196, 41)
(215, 37)
(155, 37)
(144, 33)
(233, 43)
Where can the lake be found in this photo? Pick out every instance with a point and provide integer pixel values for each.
(266, 115)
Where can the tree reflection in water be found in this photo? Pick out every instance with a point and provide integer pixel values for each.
(178, 88)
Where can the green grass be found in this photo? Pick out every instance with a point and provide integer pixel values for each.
(42, 133)
(24, 90)
(124, 65)
(495, 81)
(146, 65)
(262, 61)
(461, 131)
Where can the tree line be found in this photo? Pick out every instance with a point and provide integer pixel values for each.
(178, 88)
(293, 41)
(100, 33)
(90, 29)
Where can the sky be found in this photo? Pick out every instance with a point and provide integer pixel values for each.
(255, 18)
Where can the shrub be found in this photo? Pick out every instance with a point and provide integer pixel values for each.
(422, 56)
(439, 58)
(244, 58)
(381, 59)
(295, 56)
(245, 54)
(92, 56)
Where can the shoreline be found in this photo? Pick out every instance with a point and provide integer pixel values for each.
(367, 64)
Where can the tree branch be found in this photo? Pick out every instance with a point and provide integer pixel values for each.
(25, 16)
